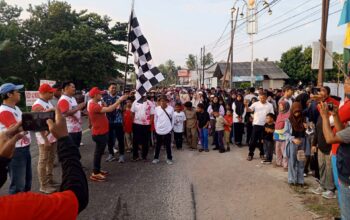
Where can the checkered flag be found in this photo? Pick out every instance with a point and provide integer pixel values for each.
(148, 75)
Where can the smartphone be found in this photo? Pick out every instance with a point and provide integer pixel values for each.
(36, 121)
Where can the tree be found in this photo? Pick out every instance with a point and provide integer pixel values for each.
(208, 60)
(191, 62)
(296, 62)
(169, 71)
(59, 43)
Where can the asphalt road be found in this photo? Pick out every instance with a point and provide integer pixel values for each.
(197, 186)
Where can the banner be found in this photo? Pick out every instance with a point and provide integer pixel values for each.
(50, 82)
(31, 97)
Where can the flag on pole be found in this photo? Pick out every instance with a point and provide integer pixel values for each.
(347, 36)
(148, 75)
(345, 14)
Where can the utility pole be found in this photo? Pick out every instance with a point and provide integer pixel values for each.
(232, 35)
(200, 75)
(323, 41)
(198, 79)
(203, 63)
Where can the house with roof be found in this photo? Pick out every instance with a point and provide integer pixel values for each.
(266, 73)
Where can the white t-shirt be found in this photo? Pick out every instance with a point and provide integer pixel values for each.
(10, 116)
(179, 118)
(162, 122)
(260, 112)
(143, 112)
(74, 122)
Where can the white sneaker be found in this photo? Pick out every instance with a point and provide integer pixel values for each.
(121, 159)
(318, 191)
(329, 195)
(81, 144)
(170, 162)
(110, 158)
(155, 161)
(47, 190)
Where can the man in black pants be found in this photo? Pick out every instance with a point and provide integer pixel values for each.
(260, 109)
(142, 114)
(163, 123)
(116, 130)
(74, 193)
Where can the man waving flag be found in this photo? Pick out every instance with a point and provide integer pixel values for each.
(148, 75)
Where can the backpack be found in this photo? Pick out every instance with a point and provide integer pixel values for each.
(343, 163)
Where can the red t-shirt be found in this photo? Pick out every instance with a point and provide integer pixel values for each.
(99, 121)
(228, 119)
(56, 206)
(127, 121)
(344, 116)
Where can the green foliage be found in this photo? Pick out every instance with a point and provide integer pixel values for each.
(208, 60)
(59, 43)
(296, 62)
(191, 62)
(169, 71)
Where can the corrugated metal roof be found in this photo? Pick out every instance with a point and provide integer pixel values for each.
(261, 68)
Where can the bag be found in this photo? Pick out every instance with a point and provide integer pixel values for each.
(167, 115)
(278, 135)
(343, 163)
(301, 156)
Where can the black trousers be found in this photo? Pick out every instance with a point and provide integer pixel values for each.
(141, 136)
(116, 131)
(101, 143)
(239, 130)
(76, 137)
(249, 126)
(255, 141)
(178, 139)
(166, 141)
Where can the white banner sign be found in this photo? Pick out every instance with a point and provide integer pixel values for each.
(31, 97)
(50, 82)
(328, 62)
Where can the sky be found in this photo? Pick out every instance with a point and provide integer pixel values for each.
(177, 28)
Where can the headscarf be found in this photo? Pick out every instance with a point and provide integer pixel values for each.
(239, 106)
(297, 122)
(283, 115)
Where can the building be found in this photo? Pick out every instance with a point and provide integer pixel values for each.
(209, 79)
(183, 77)
(267, 73)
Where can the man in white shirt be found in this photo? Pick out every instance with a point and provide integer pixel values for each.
(260, 109)
(72, 111)
(163, 122)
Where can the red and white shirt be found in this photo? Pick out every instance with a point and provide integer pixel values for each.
(43, 106)
(66, 103)
(143, 112)
(10, 116)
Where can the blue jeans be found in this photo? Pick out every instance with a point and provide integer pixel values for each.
(204, 137)
(345, 201)
(335, 177)
(20, 170)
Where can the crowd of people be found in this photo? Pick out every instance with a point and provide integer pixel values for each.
(305, 128)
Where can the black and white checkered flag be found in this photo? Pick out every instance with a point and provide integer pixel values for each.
(148, 75)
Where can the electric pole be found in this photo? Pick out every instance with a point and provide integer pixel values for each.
(232, 35)
(200, 75)
(323, 41)
(203, 63)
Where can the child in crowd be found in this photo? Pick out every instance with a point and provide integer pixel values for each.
(179, 120)
(191, 126)
(220, 122)
(268, 142)
(228, 127)
(128, 126)
(203, 120)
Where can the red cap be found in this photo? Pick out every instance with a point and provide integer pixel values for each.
(46, 88)
(94, 91)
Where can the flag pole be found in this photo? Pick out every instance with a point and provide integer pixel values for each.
(128, 46)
